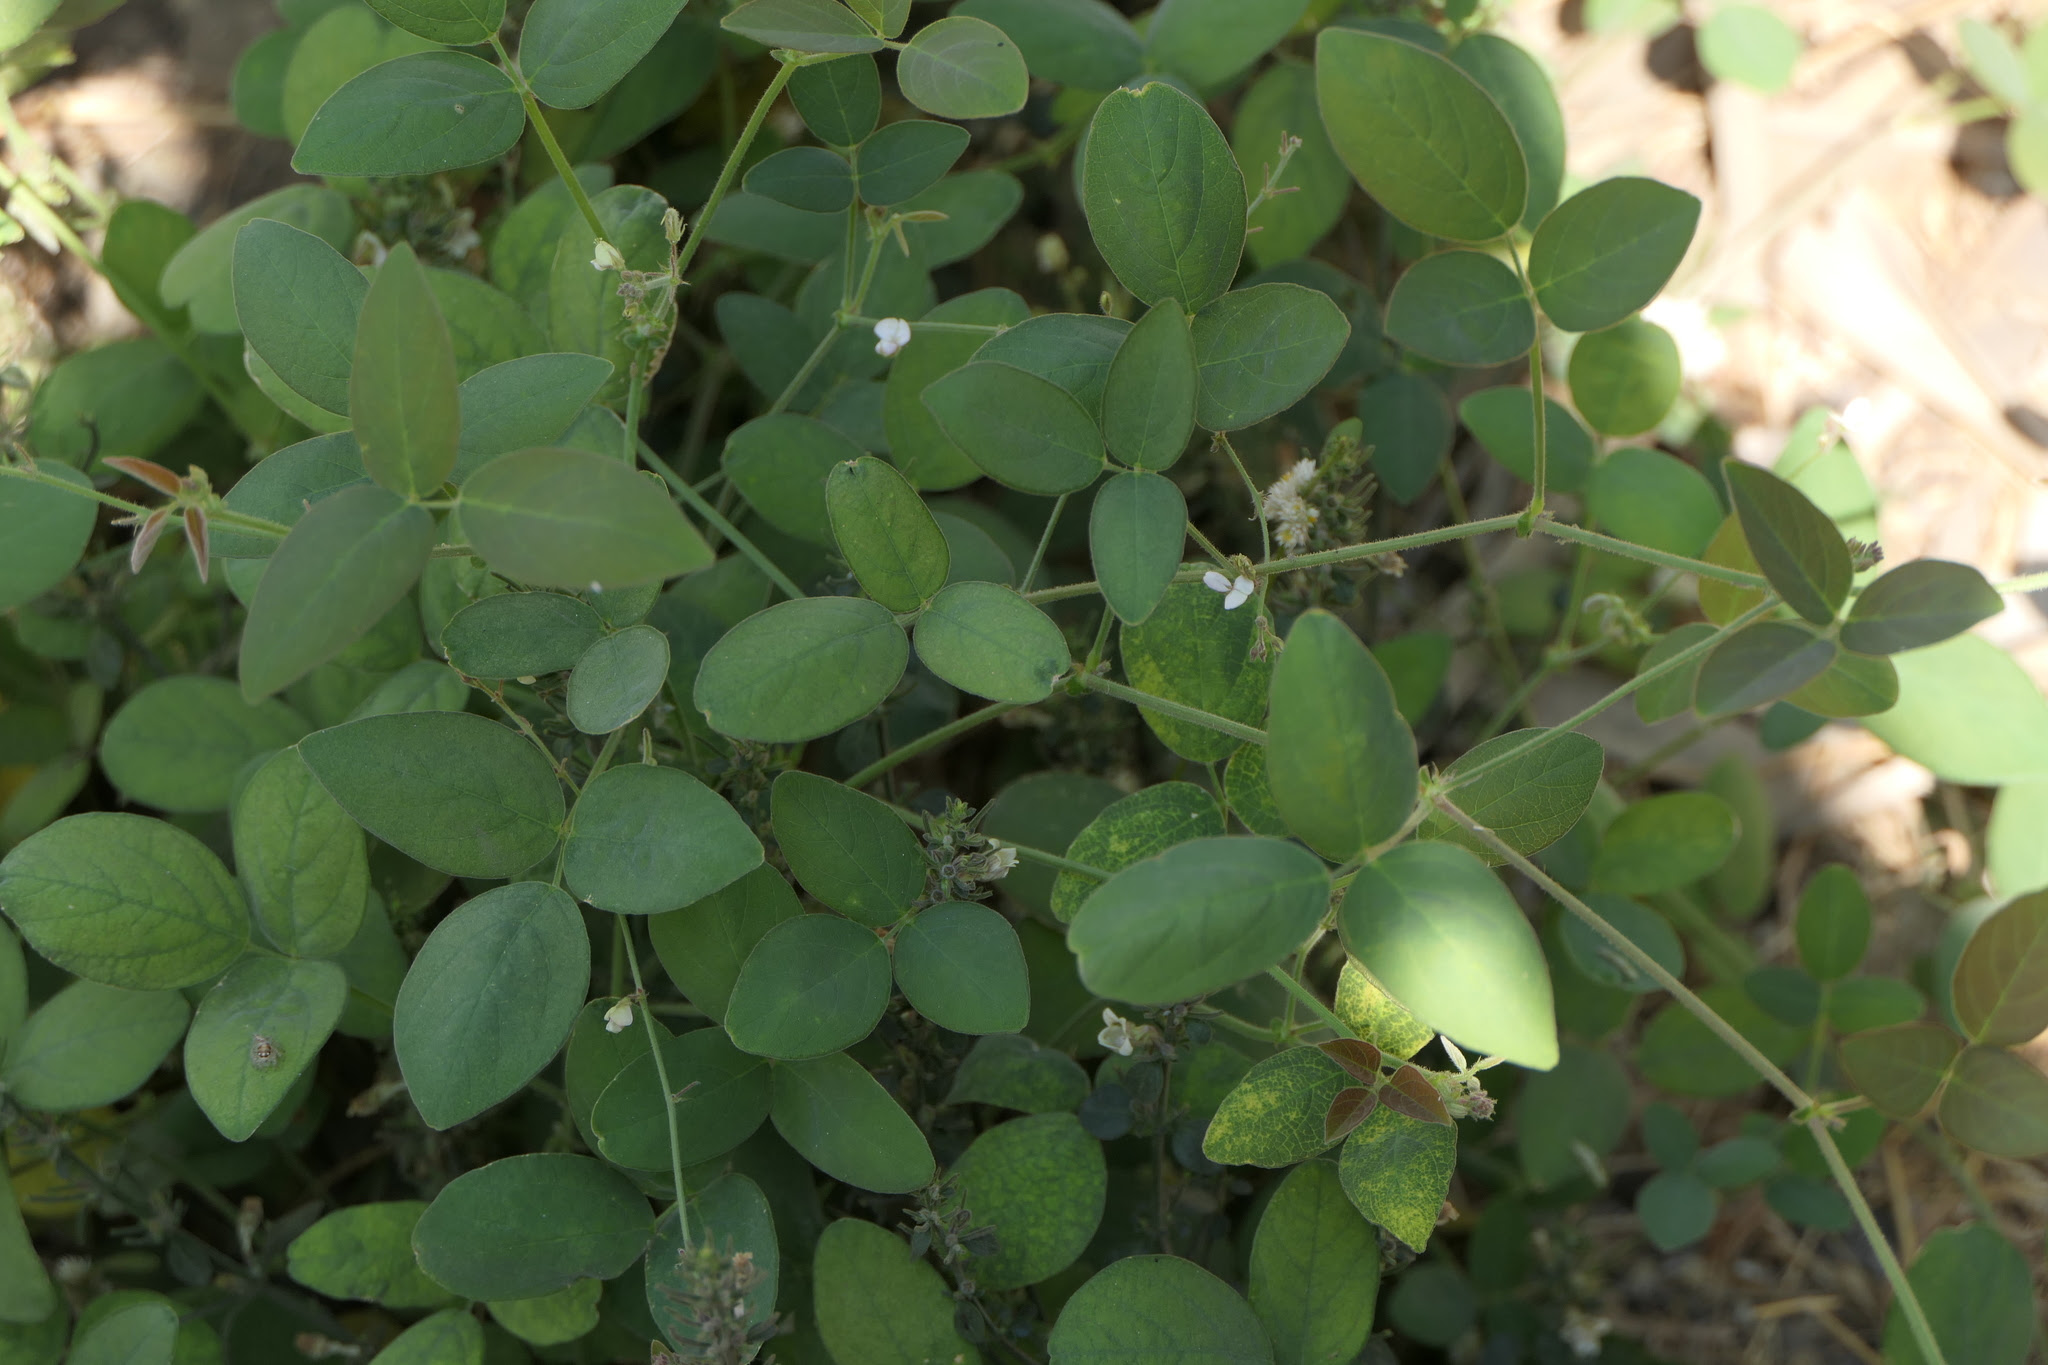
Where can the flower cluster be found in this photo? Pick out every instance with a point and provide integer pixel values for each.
(1287, 508)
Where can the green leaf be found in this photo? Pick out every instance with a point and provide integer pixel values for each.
(616, 679)
(1042, 1181)
(1656, 499)
(1664, 842)
(47, 530)
(90, 1045)
(1900, 1068)
(300, 858)
(199, 277)
(1680, 1054)
(1967, 711)
(256, 1032)
(1677, 1209)
(450, 1337)
(1519, 86)
(489, 1000)
(414, 115)
(1022, 431)
(1397, 1171)
(643, 840)
(139, 1333)
(801, 669)
(802, 26)
(1760, 663)
(572, 51)
(297, 300)
(918, 445)
(963, 68)
(1315, 1268)
(880, 1305)
(1163, 195)
(1920, 603)
(887, 534)
(1073, 350)
(1599, 961)
(1261, 349)
(1977, 1293)
(1577, 1110)
(1148, 400)
(2026, 149)
(125, 901)
(984, 638)
(1157, 1309)
(13, 984)
(1082, 43)
(846, 848)
(458, 23)
(365, 1252)
(525, 402)
(1192, 651)
(1625, 378)
(723, 1099)
(529, 1225)
(1833, 924)
(2000, 988)
(282, 487)
(1377, 1017)
(572, 519)
(1249, 793)
(961, 966)
(732, 1213)
(1445, 938)
(1503, 421)
(1461, 308)
(1853, 685)
(1211, 42)
(843, 1122)
(703, 945)
(1010, 1071)
(813, 985)
(520, 634)
(808, 178)
(1608, 249)
(1872, 1002)
(780, 463)
(584, 309)
(1531, 801)
(1199, 917)
(1274, 1116)
(178, 743)
(839, 101)
(345, 564)
(1135, 828)
(1750, 45)
(1421, 136)
(1407, 425)
(1670, 695)
(1996, 1102)
(457, 792)
(401, 391)
(1794, 542)
(124, 398)
(1310, 195)
(1340, 760)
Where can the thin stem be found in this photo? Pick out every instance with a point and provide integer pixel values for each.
(1046, 152)
(1258, 500)
(1803, 1104)
(547, 138)
(1054, 860)
(982, 329)
(731, 167)
(1678, 744)
(28, 475)
(1489, 596)
(1565, 531)
(929, 740)
(668, 1096)
(635, 396)
(1640, 680)
(1101, 639)
(697, 504)
(1289, 145)
(1541, 472)
(1308, 997)
(804, 372)
(1209, 547)
(1052, 520)
(2032, 582)
(1221, 724)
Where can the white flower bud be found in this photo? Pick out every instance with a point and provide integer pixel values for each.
(606, 257)
(891, 336)
(619, 1017)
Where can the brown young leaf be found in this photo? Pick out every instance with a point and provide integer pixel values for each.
(1348, 1110)
(1356, 1056)
(145, 471)
(1409, 1092)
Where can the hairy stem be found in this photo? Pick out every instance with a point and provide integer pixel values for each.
(1052, 521)
(929, 740)
(1308, 998)
(546, 135)
(697, 504)
(1540, 473)
(731, 168)
(1207, 720)
(1697, 567)
(668, 1095)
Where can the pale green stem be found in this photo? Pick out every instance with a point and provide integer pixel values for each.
(965, 328)
(1052, 520)
(1803, 1105)
(1257, 499)
(1700, 568)
(1308, 997)
(1222, 725)
(697, 504)
(635, 396)
(547, 138)
(668, 1095)
(929, 740)
(731, 167)
(1540, 473)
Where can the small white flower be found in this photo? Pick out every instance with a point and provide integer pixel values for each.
(1583, 1332)
(606, 257)
(1000, 860)
(1116, 1033)
(619, 1017)
(1235, 594)
(891, 336)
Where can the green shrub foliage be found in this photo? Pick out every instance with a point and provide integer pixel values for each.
(778, 711)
